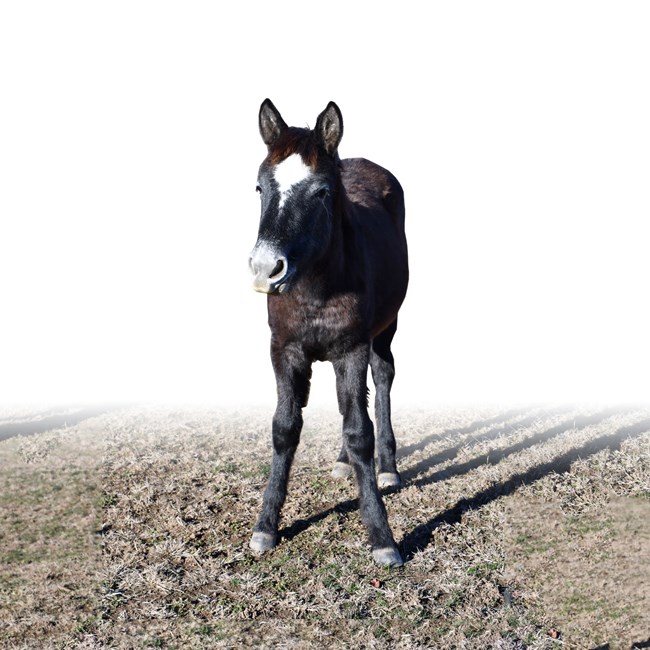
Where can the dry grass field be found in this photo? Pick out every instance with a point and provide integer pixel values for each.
(128, 528)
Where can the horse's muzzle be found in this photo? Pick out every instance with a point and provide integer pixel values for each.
(270, 269)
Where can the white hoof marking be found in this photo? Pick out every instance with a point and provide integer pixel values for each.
(261, 542)
(388, 480)
(388, 557)
(342, 470)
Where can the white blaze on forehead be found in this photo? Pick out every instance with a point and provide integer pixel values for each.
(288, 173)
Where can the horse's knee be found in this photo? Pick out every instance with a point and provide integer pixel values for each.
(287, 424)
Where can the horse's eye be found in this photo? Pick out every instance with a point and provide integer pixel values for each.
(322, 192)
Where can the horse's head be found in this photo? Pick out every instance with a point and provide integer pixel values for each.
(297, 183)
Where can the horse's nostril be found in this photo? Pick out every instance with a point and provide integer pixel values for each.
(279, 267)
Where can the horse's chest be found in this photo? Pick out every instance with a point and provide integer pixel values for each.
(322, 328)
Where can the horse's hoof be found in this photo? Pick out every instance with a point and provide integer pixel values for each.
(342, 470)
(388, 480)
(262, 542)
(388, 557)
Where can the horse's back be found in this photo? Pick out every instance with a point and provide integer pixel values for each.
(370, 186)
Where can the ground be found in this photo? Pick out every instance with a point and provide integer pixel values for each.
(128, 528)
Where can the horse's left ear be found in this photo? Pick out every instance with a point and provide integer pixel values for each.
(329, 127)
(271, 123)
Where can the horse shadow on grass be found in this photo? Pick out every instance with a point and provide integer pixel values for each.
(505, 426)
(494, 456)
(420, 537)
(50, 422)
(345, 507)
(420, 445)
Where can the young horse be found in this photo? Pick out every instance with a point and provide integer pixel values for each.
(331, 255)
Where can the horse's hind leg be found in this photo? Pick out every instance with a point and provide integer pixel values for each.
(293, 374)
(342, 467)
(382, 365)
(351, 380)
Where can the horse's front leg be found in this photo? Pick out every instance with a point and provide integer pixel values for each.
(351, 387)
(292, 374)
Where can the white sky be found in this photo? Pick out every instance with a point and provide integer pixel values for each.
(128, 155)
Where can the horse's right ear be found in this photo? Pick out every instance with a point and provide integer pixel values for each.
(271, 123)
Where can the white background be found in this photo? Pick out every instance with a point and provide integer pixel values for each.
(128, 155)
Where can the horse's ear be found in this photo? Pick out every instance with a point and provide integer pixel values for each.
(329, 127)
(271, 123)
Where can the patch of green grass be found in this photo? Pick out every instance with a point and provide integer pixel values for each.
(154, 536)
(281, 587)
(259, 471)
(484, 569)
(532, 637)
(531, 546)
(508, 634)
(582, 526)
(85, 626)
(30, 495)
(472, 631)
(34, 540)
(22, 556)
(212, 630)
(578, 603)
(226, 468)
(179, 606)
(232, 606)
(456, 598)
(53, 529)
(107, 500)
(9, 582)
(381, 601)
(331, 579)
(321, 484)
(352, 588)
(279, 559)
